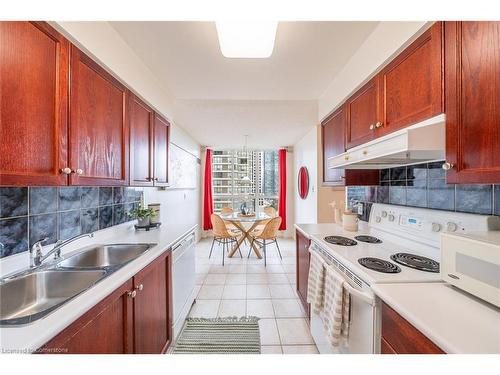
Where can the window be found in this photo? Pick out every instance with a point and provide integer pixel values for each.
(230, 188)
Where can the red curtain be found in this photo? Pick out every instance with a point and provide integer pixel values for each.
(282, 190)
(208, 204)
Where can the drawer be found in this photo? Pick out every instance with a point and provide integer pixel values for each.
(402, 337)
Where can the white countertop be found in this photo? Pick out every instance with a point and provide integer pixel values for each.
(454, 320)
(27, 338)
(310, 229)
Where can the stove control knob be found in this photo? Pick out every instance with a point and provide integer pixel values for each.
(436, 227)
(451, 227)
(391, 217)
(384, 213)
(378, 219)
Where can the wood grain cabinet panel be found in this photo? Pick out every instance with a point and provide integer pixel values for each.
(399, 336)
(152, 310)
(98, 124)
(333, 143)
(141, 139)
(412, 84)
(161, 149)
(135, 318)
(362, 111)
(107, 328)
(34, 64)
(302, 265)
(472, 100)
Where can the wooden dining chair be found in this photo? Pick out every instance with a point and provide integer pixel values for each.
(223, 236)
(230, 226)
(270, 211)
(267, 236)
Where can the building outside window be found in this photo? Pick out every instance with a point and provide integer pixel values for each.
(244, 176)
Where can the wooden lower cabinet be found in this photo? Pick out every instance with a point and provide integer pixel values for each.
(302, 264)
(106, 328)
(132, 319)
(400, 337)
(152, 309)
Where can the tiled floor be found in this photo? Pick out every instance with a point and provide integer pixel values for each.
(245, 287)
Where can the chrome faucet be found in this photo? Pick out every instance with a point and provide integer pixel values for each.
(36, 256)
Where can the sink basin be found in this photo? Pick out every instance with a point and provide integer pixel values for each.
(105, 256)
(30, 297)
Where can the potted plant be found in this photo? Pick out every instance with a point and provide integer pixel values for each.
(143, 215)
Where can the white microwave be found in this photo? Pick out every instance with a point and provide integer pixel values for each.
(472, 262)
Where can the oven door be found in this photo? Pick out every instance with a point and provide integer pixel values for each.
(364, 328)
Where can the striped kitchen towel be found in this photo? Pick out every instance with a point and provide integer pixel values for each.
(336, 304)
(316, 282)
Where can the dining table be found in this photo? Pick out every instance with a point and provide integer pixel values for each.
(239, 221)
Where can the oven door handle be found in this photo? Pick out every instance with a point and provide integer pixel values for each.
(368, 298)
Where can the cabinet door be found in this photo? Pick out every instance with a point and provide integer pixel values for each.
(333, 140)
(161, 148)
(399, 336)
(362, 110)
(412, 84)
(153, 307)
(98, 124)
(472, 79)
(107, 328)
(33, 104)
(302, 244)
(141, 148)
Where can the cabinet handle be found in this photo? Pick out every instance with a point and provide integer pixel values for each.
(372, 127)
(79, 171)
(149, 178)
(139, 287)
(66, 170)
(346, 157)
(132, 294)
(156, 179)
(378, 125)
(365, 152)
(447, 166)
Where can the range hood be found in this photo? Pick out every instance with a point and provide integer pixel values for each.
(419, 143)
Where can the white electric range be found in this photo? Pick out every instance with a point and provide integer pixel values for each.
(403, 247)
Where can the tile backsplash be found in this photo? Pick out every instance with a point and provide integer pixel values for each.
(28, 214)
(424, 185)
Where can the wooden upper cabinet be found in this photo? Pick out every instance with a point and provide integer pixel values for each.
(472, 81)
(333, 139)
(141, 142)
(161, 149)
(362, 113)
(412, 84)
(153, 307)
(98, 124)
(33, 104)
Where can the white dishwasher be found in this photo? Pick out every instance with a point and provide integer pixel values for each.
(183, 265)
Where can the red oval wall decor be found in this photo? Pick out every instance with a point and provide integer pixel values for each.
(303, 182)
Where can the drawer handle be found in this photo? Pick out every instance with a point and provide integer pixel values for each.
(378, 125)
(132, 294)
(447, 166)
(139, 287)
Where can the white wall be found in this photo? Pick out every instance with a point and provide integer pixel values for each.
(305, 155)
(388, 39)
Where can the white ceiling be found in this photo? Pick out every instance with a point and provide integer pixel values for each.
(218, 100)
(268, 124)
(186, 57)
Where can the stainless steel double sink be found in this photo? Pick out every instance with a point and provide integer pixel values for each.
(35, 293)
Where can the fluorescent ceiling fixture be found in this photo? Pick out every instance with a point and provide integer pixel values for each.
(242, 38)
